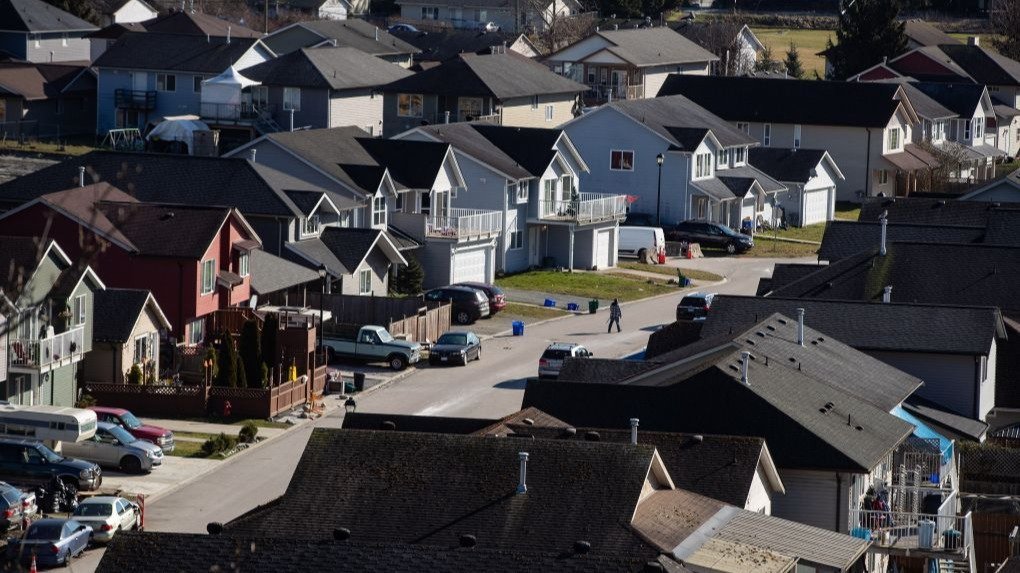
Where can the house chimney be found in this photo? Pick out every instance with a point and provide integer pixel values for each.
(800, 326)
(377, 33)
(291, 119)
(973, 40)
(633, 431)
(81, 176)
(745, 360)
(884, 221)
(887, 294)
(446, 116)
(251, 154)
(228, 34)
(522, 486)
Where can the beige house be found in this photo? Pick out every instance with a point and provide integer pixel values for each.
(128, 328)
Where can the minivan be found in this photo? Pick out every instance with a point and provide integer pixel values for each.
(647, 244)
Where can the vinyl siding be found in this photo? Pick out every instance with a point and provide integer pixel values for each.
(362, 108)
(84, 289)
(52, 49)
(62, 388)
(518, 112)
(948, 379)
(436, 260)
(380, 267)
(314, 112)
(102, 365)
(133, 11)
(987, 392)
(759, 497)
(811, 498)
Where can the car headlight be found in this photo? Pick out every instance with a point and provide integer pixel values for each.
(162, 440)
(85, 474)
(150, 454)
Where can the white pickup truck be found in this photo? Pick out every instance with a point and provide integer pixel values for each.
(373, 344)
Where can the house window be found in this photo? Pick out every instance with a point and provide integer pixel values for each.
(481, 16)
(534, 102)
(143, 351)
(548, 113)
(621, 160)
(883, 177)
(703, 165)
(766, 135)
(966, 130)
(260, 95)
(379, 211)
(894, 139)
(739, 156)
(345, 219)
(409, 105)
(979, 129)
(79, 310)
(365, 282)
(796, 137)
(292, 98)
(196, 331)
(398, 203)
(517, 236)
(166, 82)
(567, 185)
(522, 191)
(724, 158)
(746, 128)
(310, 225)
(759, 202)
(429, 12)
(35, 40)
(208, 276)
(242, 264)
(196, 85)
(469, 108)
(938, 130)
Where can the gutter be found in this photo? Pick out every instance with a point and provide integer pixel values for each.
(867, 166)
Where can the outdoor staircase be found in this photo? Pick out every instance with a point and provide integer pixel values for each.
(956, 565)
(264, 122)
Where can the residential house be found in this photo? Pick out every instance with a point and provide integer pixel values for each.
(130, 328)
(844, 239)
(36, 31)
(353, 33)
(48, 301)
(1007, 121)
(443, 45)
(1002, 190)
(920, 33)
(408, 188)
(316, 9)
(46, 100)
(101, 40)
(502, 88)
(125, 12)
(810, 177)
(140, 245)
(865, 127)
(738, 58)
(533, 176)
(324, 87)
(146, 76)
(936, 211)
(516, 17)
(704, 172)
(192, 23)
(824, 408)
(629, 64)
(282, 208)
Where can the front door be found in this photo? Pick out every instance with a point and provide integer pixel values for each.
(534, 250)
(619, 84)
(139, 81)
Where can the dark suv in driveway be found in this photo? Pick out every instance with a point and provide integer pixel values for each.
(468, 304)
(709, 235)
(496, 296)
(30, 462)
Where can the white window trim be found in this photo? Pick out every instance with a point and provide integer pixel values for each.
(967, 133)
(243, 265)
(894, 133)
(165, 78)
(196, 326)
(766, 134)
(796, 136)
(287, 103)
(702, 171)
(146, 354)
(621, 151)
(81, 314)
(378, 211)
(211, 264)
(310, 225)
(550, 112)
(361, 281)
(739, 156)
(410, 108)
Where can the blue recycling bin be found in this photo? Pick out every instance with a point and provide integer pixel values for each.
(925, 534)
(518, 327)
(550, 302)
(861, 533)
(572, 306)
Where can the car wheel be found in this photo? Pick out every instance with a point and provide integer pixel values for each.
(463, 317)
(478, 353)
(397, 362)
(731, 248)
(131, 465)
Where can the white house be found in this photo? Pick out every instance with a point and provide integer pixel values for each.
(125, 11)
(811, 178)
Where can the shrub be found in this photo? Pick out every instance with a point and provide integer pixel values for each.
(218, 444)
(134, 375)
(248, 432)
(86, 401)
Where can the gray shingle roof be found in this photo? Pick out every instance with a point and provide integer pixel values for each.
(468, 139)
(442, 45)
(786, 165)
(270, 273)
(950, 424)
(305, 201)
(350, 246)
(925, 106)
(845, 238)
(960, 99)
(173, 52)
(1003, 227)
(166, 230)
(504, 76)
(662, 114)
(602, 369)
(931, 211)
(925, 34)
(655, 47)
(39, 16)
(332, 68)
(353, 32)
(405, 423)
(115, 312)
(768, 184)
(199, 24)
(983, 65)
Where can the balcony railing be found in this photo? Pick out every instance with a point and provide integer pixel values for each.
(943, 530)
(44, 353)
(604, 92)
(588, 208)
(232, 112)
(134, 99)
(930, 469)
(464, 223)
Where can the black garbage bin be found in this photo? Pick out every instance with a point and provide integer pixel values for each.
(359, 381)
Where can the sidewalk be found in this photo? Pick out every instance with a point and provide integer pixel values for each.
(209, 428)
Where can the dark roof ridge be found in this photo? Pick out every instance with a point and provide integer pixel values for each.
(858, 301)
(912, 224)
(140, 204)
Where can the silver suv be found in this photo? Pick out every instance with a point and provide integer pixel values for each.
(115, 447)
(694, 307)
(551, 363)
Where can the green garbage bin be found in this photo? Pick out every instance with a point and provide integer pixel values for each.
(593, 305)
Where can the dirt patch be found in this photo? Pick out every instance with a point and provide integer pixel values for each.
(14, 166)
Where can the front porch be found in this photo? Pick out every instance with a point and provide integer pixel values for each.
(49, 353)
(450, 224)
(585, 209)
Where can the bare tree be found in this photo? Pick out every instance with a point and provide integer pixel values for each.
(1004, 16)
(952, 158)
(720, 38)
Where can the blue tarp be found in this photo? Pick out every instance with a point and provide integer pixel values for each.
(921, 430)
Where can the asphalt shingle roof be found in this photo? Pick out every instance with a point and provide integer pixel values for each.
(34, 81)
(807, 102)
(270, 273)
(330, 68)
(173, 52)
(353, 32)
(405, 423)
(468, 139)
(199, 24)
(845, 238)
(932, 211)
(654, 47)
(39, 16)
(925, 34)
(982, 65)
(22, 255)
(786, 165)
(183, 231)
(504, 76)
(961, 99)
(350, 246)
(662, 114)
(448, 44)
(115, 312)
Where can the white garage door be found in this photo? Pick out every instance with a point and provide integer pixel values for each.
(816, 206)
(469, 266)
(603, 255)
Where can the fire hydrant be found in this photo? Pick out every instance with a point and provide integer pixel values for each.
(227, 408)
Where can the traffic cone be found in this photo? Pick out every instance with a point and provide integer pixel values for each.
(33, 568)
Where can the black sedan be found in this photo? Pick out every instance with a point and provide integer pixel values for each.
(456, 348)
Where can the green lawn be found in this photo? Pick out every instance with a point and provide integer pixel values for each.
(764, 247)
(39, 147)
(194, 435)
(671, 271)
(848, 211)
(188, 450)
(809, 233)
(809, 43)
(584, 285)
(531, 311)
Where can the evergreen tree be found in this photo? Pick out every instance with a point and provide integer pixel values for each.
(269, 329)
(792, 63)
(87, 10)
(231, 372)
(867, 31)
(766, 63)
(409, 279)
(1004, 16)
(251, 354)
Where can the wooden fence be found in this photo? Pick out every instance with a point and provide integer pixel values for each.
(417, 319)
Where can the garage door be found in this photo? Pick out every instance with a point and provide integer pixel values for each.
(603, 255)
(469, 266)
(816, 206)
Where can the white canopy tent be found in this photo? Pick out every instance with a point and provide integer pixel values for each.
(178, 128)
(221, 95)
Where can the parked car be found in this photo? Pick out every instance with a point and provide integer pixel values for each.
(372, 344)
(648, 244)
(162, 437)
(401, 27)
(468, 304)
(15, 505)
(53, 542)
(551, 363)
(113, 446)
(710, 235)
(496, 296)
(456, 347)
(639, 220)
(107, 514)
(694, 307)
(29, 462)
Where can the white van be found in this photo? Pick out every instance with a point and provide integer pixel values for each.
(647, 244)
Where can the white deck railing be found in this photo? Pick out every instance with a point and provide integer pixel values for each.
(588, 208)
(943, 531)
(464, 223)
(42, 353)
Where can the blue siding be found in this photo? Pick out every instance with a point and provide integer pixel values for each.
(183, 100)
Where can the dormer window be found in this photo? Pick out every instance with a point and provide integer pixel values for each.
(723, 160)
(894, 139)
(702, 165)
(739, 156)
(310, 225)
(966, 130)
(378, 211)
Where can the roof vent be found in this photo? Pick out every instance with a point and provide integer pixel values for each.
(760, 333)
(887, 294)
(800, 326)
(592, 436)
(698, 438)
(582, 547)
(341, 534)
(388, 425)
(214, 528)
(633, 430)
(528, 422)
(745, 360)
(468, 540)
(81, 176)
(884, 222)
(570, 432)
(251, 154)
(522, 484)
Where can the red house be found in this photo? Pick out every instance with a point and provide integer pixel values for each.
(193, 259)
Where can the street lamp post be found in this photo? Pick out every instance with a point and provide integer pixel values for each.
(658, 194)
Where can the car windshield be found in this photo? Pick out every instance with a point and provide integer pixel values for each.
(94, 510)
(121, 434)
(728, 231)
(385, 337)
(50, 455)
(130, 421)
(693, 301)
(453, 338)
(44, 531)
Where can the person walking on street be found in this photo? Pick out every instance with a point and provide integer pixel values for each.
(615, 314)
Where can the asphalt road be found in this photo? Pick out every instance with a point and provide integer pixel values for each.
(490, 388)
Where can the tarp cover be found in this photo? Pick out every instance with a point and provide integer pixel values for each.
(178, 128)
(921, 430)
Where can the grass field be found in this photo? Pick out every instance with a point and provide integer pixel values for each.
(848, 211)
(531, 311)
(809, 233)
(672, 271)
(809, 43)
(71, 150)
(764, 247)
(586, 285)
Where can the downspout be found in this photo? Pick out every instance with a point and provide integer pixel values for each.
(839, 491)
(502, 236)
(180, 303)
(867, 167)
(687, 193)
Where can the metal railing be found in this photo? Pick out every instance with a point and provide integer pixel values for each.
(463, 223)
(587, 208)
(606, 91)
(943, 531)
(239, 112)
(134, 99)
(42, 353)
